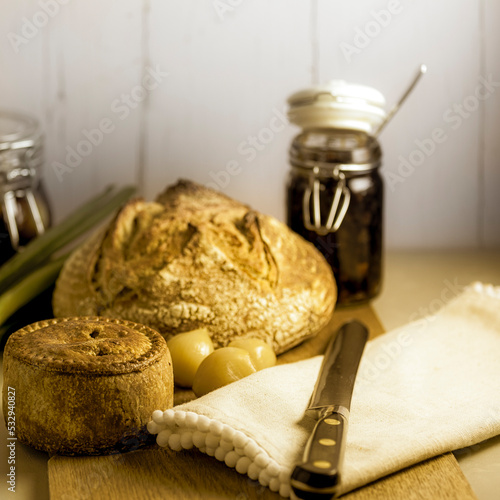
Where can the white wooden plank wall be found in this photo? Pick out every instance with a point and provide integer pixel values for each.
(490, 197)
(182, 88)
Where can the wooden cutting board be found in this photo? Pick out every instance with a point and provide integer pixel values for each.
(156, 473)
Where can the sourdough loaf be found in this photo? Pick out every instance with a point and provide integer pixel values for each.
(197, 258)
(86, 385)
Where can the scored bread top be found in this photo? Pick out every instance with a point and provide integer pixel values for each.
(195, 258)
(91, 345)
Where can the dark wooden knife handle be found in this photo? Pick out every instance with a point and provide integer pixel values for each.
(319, 474)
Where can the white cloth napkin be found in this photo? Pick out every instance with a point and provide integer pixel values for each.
(427, 388)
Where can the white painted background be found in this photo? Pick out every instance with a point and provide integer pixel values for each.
(230, 72)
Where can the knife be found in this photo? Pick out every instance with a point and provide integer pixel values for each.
(318, 476)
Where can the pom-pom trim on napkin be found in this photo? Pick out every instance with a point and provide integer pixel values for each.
(486, 289)
(180, 429)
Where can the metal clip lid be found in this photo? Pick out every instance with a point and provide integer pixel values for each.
(338, 208)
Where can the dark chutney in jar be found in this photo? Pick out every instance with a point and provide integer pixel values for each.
(354, 250)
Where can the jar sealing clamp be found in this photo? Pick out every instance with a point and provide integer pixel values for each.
(335, 191)
(24, 210)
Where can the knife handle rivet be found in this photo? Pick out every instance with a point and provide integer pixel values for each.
(332, 421)
(322, 464)
(327, 442)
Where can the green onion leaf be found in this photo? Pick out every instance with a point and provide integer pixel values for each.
(29, 287)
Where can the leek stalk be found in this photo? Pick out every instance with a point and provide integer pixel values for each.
(29, 287)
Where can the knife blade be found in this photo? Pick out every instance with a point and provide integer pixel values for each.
(319, 474)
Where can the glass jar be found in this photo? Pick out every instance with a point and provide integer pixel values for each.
(24, 208)
(335, 191)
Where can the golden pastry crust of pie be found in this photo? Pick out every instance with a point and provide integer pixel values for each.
(86, 385)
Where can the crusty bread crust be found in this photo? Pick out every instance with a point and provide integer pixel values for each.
(197, 258)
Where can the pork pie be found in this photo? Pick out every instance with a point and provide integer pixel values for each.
(85, 385)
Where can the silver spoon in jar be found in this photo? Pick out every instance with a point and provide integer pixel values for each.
(421, 71)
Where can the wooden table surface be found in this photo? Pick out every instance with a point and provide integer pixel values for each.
(160, 473)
